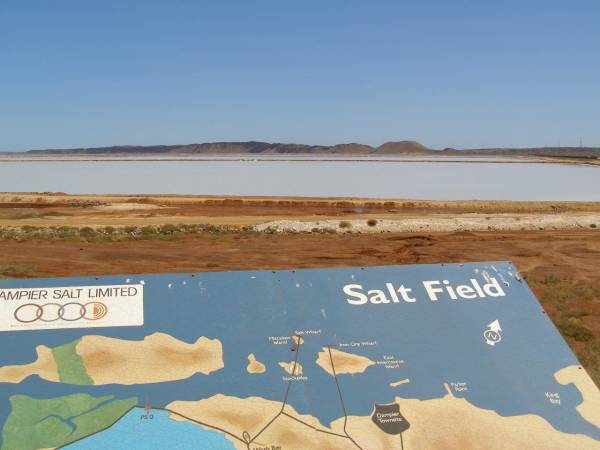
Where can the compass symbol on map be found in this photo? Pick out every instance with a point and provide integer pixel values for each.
(492, 333)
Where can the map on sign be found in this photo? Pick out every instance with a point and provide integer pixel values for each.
(457, 356)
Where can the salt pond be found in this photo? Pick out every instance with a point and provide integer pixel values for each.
(436, 180)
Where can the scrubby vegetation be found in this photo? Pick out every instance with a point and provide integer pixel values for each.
(16, 270)
(574, 307)
(110, 233)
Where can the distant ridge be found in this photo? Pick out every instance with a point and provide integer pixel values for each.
(411, 148)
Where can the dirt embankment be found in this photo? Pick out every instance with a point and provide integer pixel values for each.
(293, 214)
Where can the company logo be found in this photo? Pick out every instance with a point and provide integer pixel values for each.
(52, 312)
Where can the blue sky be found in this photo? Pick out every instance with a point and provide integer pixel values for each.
(445, 73)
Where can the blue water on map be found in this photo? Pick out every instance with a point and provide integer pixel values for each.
(440, 342)
(159, 433)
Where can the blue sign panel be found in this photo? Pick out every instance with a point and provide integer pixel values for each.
(458, 356)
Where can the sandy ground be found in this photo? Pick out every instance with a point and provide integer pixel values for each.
(294, 214)
(465, 222)
(571, 255)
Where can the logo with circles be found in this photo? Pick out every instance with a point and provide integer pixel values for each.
(52, 312)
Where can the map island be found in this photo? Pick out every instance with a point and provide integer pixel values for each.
(291, 360)
(101, 360)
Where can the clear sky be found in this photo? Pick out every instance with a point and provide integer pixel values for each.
(445, 73)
